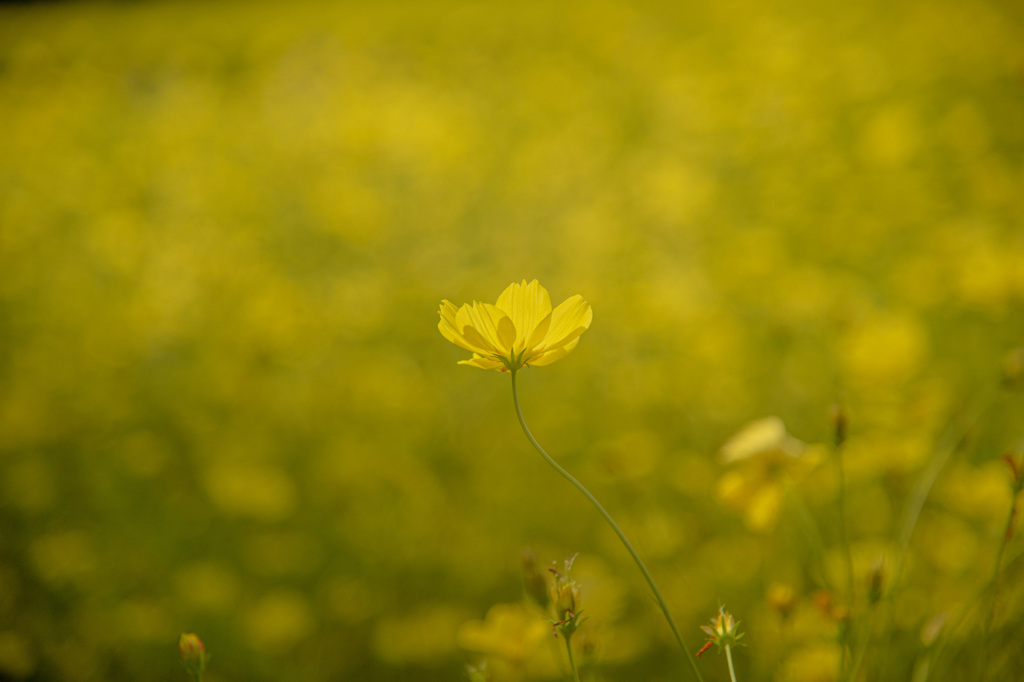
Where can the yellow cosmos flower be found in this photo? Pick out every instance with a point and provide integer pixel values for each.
(765, 460)
(520, 329)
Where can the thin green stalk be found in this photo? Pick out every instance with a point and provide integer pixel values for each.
(993, 584)
(732, 668)
(611, 522)
(572, 661)
(810, 528)
(915, 505)
(844, 540)
(862, 648)
(949, 632)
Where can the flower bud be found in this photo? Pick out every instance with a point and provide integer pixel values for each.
(193, 654)
(781, 599)
(1016, 465)
(723, 631)
(932, 629)
(840, 420)
(478, 673)
(565, 596)
(876, 582)
(1013, 368)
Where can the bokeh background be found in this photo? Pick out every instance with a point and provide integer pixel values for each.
(225, 408)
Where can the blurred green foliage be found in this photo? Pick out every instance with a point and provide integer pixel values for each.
(225, 408)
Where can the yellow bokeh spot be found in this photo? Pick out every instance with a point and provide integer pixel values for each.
(510, 631)
(207, 586)
(424, 636)
(64, 557)
(29, 485)
(17, 660)
(884, 350)
(633, 455)
(890, 138)
(143, 620)
(279, 620)
(274, 554)
(811, 663)
(251, 490)
(949, 543)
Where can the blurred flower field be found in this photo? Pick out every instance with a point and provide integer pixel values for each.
(226, 409)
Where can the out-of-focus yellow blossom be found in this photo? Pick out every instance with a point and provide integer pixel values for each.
(782, 599)
(509, 631)
(817, 662)
(521, 329)
(766, 459)
(421, 635)
(16, 658)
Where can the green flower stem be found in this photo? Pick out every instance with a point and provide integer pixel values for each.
(993, 584)
(956, 434)
(732, 668)
(810, 529)
(607, 517)
(844, 540)
(572, 661)
(862, 647)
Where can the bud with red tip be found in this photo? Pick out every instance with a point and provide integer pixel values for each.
(193, 654)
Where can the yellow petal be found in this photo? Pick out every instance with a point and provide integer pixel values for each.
(764, 508)
(477, 324)
(735, 488)
(547, 357)
(756, 438)
(483, 363)
(450, 329)
(539, 332)
(570, 319)
(503, 324)
(527, 305)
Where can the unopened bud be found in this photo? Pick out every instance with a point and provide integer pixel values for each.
(478, 673)
(876, 581)
(193, 654)
(840, 420)
(1013, 368)
(932, 629)
(781, 599)
(1016, 465)
(724, 630)
(826, 603)
(566, 595)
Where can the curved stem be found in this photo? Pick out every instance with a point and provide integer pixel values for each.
(615, 527)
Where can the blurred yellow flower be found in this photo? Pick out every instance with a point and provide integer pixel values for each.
(510, 631)
(521, 329)
(767, 459)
